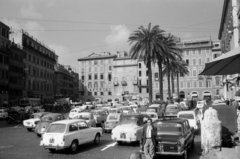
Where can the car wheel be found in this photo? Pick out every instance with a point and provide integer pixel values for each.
(184, 156)
(29, 129)
(97, 139)
(74, 146)
(52, 150)
(119, 142)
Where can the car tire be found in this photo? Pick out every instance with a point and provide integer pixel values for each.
(29, 129)
(52, 150)
(97, 139)
(119, 142)
(74, 146)
(184, 156)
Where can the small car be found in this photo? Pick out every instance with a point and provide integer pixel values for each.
(45, 121)
(201, 104)
(69, 134)
(31, 123)
(112, 121)
(14, 117)
(73, 112)
(129, 128)
(192, 118)
(100, 117)
(174, 137)
(172, 110)
(152, 115)
(116, 110)
(87, 116)
(156, 108)
(3, 113)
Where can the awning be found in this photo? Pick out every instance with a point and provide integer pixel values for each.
(194, 95)
(226, 64)
(206, 94)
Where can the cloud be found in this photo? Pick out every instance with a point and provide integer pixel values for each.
(118, 37)
(30, 12)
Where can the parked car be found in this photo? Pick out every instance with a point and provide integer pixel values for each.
(87, 116)
(69, 134)
(112, 121)
(31, 123)
(184, 105)
(14, 117)
(152, 115)
(172, 110)
(156, 108)
(3, 113)
(174, 137)
(192, 118)
(73, 112)
(201, 104)
(100, 117)
(129, 128)
(46, 120)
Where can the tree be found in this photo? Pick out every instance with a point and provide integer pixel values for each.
(144, 43)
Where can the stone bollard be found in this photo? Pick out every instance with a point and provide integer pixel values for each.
(211, 128)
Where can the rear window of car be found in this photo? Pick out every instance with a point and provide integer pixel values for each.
(47, 119)
(152, 115)
(186, 116)
(168, 127)
(56, 128)
(82, 116)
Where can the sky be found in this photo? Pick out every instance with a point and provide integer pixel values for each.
(77, 28)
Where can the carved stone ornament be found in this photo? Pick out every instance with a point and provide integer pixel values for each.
(211, 128)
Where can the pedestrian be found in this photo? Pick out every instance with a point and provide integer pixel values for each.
(135, 155)
(148, 141)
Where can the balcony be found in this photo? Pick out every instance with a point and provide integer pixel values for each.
(124, 83)
(115, 83)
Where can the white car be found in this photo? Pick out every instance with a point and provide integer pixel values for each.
(87, 116)
(3, 113)
(31, 123)
(129, 129)
(69, 134)
(192, 118)
(201, 104)
(73, 112)
(152, 115)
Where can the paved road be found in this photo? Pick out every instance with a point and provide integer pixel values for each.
(17, 143)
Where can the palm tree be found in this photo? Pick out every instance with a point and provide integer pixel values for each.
(145, 45)
(172, 52)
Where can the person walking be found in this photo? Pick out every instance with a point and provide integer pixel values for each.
(149, 139)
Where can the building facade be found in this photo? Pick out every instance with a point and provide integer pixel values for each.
(39, 66)
(4, 64)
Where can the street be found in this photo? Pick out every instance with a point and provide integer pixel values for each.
(17, 143)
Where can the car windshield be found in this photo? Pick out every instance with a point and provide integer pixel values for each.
(129, 121)
(152, 115)
(186, 116)
(113, 118)
(168, 127)
(35, 116)
(200, 102)
(151, 110)
(82, 116)
(56, 128)
(47, 118)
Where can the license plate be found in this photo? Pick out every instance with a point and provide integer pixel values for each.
(51, 140)
(28, 123)
(123, 136)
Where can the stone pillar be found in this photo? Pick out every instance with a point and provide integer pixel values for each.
(211, 128)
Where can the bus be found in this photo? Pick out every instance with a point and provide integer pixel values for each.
(30, 102)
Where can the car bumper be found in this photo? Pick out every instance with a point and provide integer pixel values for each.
(171, 153)
(58, 147)
(124, 140)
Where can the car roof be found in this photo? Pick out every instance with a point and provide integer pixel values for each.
(186, 112)
(52, 114)
(67, 121)
(86, 113)
(40, 113)
(175, 105)
(134, 116)
(177, 121)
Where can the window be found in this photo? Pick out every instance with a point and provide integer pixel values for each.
(109, 77)
(156, 76)
(140, 90)
(101, 62)
(101, 76)
(82, 125)
(101, 84)
(147, 91)
(208, 59)
(82, 78)
(194, 73)
(89, 85)
(73, 127)
(217, 81)
(208, 84)
(188, 84)
(217, 92)
(193, 52)
(194, 61)
(156, 85)
(95, 85)
(90, 69)
(187, 62)
(200, 61)
(109, 93)
(207, 50)
(140, 82)
(95, 69)
(89, 63)
(147, 73)
(96, 76)
(110, 68)
(181, 84)
(95, 62)
(89, 77)
(199, 52)
(187, 52)
(101, 93)
(95, 93)
(109, 61)
(139, 65)
(140, 73)
(194, 84)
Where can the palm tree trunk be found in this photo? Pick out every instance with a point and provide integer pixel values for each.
(172, 79)
(168, 78)
(150, 82)
(160, 78)
(178, 85)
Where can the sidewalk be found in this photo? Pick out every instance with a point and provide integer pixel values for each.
(226, 153)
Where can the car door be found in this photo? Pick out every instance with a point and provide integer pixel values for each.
(187, 133)
(74, 133)
(85, 132)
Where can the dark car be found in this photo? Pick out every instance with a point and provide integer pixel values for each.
(174, 137)
(46, 120)
(15, 117)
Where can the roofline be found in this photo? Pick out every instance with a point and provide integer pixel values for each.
(6, 26)
(97, 58)
(225, 6)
